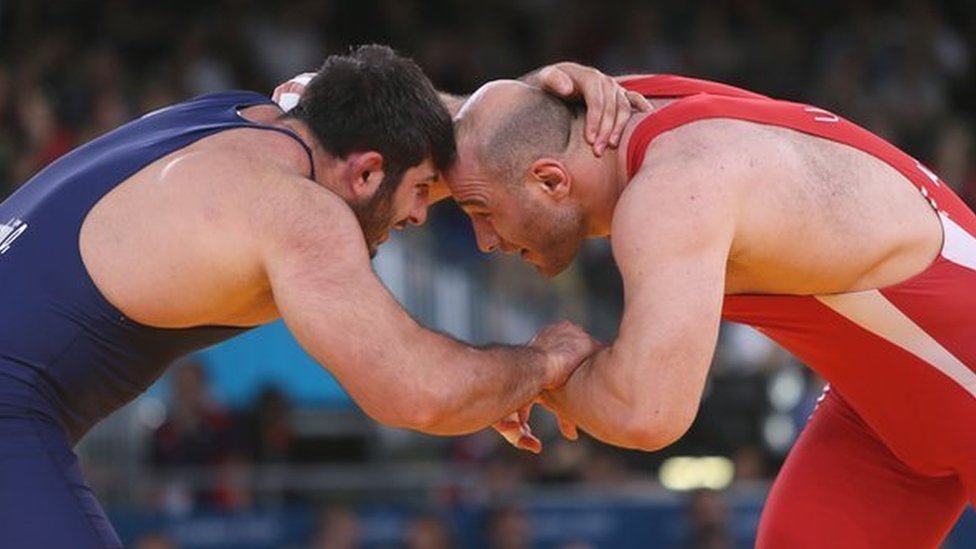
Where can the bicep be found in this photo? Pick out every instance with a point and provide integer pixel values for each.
(671, 240)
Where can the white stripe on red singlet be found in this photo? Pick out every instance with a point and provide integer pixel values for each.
(873, 312)
(959, 246)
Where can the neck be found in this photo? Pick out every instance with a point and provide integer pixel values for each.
(325, 164)
(615, 177)
(600, 180)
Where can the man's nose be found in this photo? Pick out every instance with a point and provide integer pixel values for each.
(419, 213)
(488, 241)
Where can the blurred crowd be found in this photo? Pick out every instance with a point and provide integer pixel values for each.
(70, 71)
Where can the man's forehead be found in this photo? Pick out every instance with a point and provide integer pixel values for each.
(471, 190)
(425, 172)
(426, 166)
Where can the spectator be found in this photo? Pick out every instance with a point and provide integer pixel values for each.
(197, 432)
(273, 434)
(509, 528)
(338, 528)
(708, 521)
(429, 532)
(154, 540)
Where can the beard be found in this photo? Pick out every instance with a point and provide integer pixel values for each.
(375, 215)
(559, 236)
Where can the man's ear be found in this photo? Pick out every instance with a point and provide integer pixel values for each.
(364, 173)
(551, 177)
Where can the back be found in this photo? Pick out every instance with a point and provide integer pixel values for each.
(65, 352)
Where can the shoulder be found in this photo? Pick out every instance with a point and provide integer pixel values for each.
(694, 164)
(693, 143)
(686, 192)
(245, 188)
(702, 164)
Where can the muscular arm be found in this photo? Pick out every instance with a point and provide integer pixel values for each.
(671, 232)
(398, 372)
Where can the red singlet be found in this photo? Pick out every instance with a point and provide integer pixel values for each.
(888, 458)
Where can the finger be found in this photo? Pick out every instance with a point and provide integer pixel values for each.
(639, 102)
(518, 435)
(286, 95)
(304, 78)
(624, 112)
(524, 412)
(529, 443)
(557, 81)
(287, 101)
(609, 117)
(568, 429)
(510, 434)
(511, 421)
(508, 423)
(594, 114)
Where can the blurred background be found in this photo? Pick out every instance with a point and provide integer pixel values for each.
(252, 445)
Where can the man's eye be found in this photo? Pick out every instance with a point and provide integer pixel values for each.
(423, 191)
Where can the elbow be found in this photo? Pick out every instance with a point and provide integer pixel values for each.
(424, 413)
(656, 428)
(422, 417)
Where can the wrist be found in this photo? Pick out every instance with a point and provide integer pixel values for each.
(543, 368)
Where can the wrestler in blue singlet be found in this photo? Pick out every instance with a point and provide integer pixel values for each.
(68, 358)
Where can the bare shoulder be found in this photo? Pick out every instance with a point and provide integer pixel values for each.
(274, 204)
(259, 178)
(688, 175)
(185, 241)
(712, 144)
(681, 206)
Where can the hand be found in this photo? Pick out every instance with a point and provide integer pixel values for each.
(516, 430)
(565, 347)
(608, 105)
(286, 95)
(566, 426)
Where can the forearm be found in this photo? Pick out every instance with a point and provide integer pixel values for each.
(591, 401)
(431, 383)
(614, 407)
(472, 387)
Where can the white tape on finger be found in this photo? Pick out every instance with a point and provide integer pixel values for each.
(304, 78)
(288, 100)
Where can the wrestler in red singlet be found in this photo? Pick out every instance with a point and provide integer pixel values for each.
(888, 454)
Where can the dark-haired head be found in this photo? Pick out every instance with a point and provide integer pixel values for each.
(373, 99)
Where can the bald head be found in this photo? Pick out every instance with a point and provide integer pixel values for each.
(506, 125)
